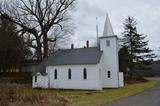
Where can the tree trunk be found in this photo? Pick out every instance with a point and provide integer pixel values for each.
(45, 46)
(39, 55)
(39, 52)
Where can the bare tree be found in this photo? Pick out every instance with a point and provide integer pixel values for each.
(40, 21)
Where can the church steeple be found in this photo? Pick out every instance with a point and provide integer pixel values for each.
(108, 31)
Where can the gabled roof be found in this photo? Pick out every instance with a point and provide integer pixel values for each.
(76, 56)
(79, 56)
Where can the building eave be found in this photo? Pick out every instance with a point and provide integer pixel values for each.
(72, 64)
(108, 37)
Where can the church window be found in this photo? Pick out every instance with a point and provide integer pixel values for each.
(69, 73)
(35, 78)
(55, 74)
(109, 74)
(84, 73)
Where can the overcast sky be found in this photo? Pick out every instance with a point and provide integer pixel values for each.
(146, 12)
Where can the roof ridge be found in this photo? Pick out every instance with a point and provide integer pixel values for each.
(78, 48)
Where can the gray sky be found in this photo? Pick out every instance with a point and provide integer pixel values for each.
(146, 12)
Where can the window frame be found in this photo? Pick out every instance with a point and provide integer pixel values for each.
(85, 73)
(35, 79)
(108, 74)
(55, 74)
(69, 74)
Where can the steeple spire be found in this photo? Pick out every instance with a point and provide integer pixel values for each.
(108, 31)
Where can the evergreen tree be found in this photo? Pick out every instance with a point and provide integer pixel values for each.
(124, 59)
(136, 44)
(12, 48)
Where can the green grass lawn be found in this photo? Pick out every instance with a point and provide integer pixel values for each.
(98, 98)
(95, 98)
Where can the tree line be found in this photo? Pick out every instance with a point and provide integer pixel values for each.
(12, 47)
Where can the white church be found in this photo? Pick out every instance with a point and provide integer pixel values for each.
(89, 68)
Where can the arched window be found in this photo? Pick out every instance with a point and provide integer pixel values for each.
(109, 74)
(35, 78)
(84, 73)
(55, 74)
(69, 73)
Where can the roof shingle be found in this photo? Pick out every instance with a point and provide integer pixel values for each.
(76, 56)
